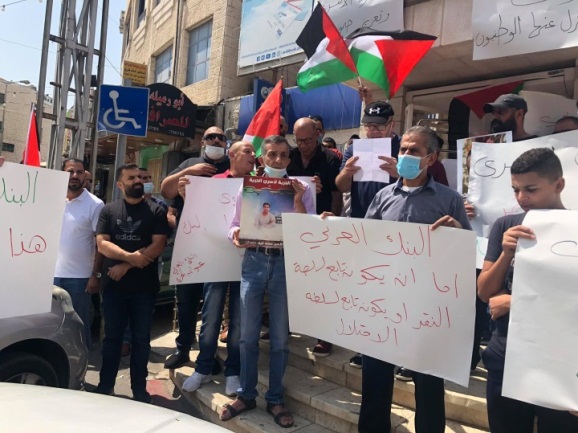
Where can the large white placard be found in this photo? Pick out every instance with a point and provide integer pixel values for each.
(490, 188)
(32, 203)
(506, 28)
(202, 252)
(368, 150)
(542, 351)
(394, 291)
(269, 28)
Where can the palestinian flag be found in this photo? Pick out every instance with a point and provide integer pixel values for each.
(329, 61)
(31, 154)
(387, 58)
(266, 120)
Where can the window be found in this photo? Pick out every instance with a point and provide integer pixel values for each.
(163, 66)
(199, 53)
(141, 13)
(7, 147)
(2, 98)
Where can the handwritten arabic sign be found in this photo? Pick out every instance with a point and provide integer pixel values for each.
(171, 111)
(31, 208)
(202, 252)
(506, 28)
(394, 291)
(542, 352)
(490, 188)
(281, 21)
(135, 72)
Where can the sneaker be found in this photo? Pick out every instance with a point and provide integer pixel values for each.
(196, 381)
(322, 349)
(143, 397)
(356, 361)
(404, 374)
(232, 384)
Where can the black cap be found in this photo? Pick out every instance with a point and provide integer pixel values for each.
(377, 112)
(508, 100)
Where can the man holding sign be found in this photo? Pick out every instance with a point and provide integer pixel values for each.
(537, 183)
(263, 270)
(414, 198)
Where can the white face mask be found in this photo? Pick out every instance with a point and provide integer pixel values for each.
(214, 152)
(148, 187)
(275, 172)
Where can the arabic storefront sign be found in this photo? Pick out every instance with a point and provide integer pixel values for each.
(171, 111)
(281, 21)
(502, 28)
(135, 72)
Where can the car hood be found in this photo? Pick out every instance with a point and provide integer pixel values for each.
(27, 408)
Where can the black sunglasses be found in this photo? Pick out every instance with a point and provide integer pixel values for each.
(214, 136)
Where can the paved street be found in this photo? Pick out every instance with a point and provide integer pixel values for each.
(159, 385)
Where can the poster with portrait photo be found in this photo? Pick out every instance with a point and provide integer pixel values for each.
(464, 147)
(264, 200)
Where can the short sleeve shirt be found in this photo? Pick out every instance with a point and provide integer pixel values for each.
(131, 227)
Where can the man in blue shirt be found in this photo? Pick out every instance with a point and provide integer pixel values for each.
(415, 198)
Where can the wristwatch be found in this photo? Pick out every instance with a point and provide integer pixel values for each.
(97, 274)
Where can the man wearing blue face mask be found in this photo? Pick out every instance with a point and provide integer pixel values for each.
(213, 160)
(416, 198)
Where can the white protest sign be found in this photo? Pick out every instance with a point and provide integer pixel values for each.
(542, 352)
(394, 291)
(32, 201)
(506, 28)
(544, 109)
(464, 150)
(490, 188)
(202, 252)
(368, 150)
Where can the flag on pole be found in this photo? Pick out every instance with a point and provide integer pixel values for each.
(31, 154)
(329, 61)
(387, 58)
(266, 120)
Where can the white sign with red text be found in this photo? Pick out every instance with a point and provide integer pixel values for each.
(394, 291)
(202, 251)
(32, 201)
(541, 356)
(490, 189)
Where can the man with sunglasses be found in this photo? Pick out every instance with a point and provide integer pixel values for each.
(213, 160)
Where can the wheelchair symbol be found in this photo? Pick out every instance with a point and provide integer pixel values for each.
(119, 120)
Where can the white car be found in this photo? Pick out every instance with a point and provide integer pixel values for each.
(44, 349)
(25, 409)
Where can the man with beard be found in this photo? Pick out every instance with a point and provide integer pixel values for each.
(77, 264)
(509, 111)
(131, 234)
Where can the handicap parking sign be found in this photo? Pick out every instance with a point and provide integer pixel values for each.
(123, 110)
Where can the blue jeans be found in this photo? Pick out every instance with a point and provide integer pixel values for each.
(118, 309)
(76, 288)
(261, 273)
(188, 298)
(213, 306)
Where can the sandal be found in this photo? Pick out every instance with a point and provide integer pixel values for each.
(230, 411)
(283, 413)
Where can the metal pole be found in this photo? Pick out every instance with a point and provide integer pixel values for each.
(120, 150)
(43, 69)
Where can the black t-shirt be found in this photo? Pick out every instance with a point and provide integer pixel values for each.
(324, 164)
(492, 254)
(131, 227)
(222, 166)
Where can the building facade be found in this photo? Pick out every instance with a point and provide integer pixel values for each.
(16, 99)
